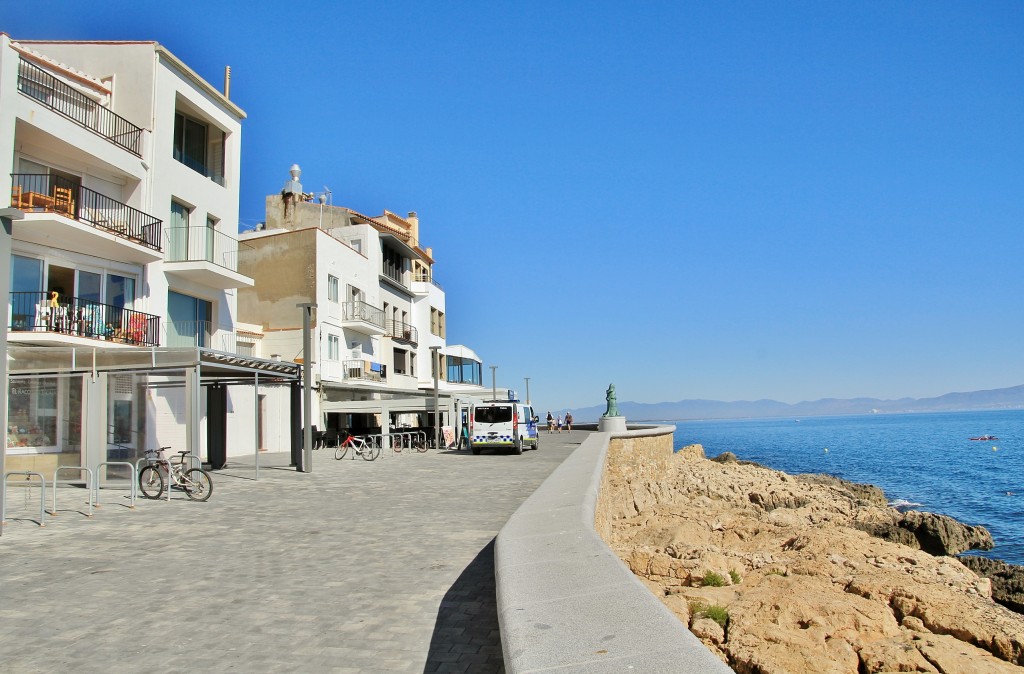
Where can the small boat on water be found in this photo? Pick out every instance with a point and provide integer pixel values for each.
(985, 438)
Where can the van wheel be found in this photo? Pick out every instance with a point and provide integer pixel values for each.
(519, 446)
(536, 444)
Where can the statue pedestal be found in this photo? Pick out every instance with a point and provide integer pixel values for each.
(611, 424)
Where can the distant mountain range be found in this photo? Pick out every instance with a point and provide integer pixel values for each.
(997, 399)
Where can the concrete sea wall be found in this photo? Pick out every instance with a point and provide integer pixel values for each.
(565, 600)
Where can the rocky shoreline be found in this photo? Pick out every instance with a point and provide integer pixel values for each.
(778, 573)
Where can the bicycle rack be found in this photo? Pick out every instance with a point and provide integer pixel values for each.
(88, 485)
(375, 440)
(134, 489)
(42, 495)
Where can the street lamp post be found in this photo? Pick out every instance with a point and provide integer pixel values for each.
(307, 387)
(437, 416)
(527, 390)
(494, 382)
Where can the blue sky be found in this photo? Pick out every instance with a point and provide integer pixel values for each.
(732, 200)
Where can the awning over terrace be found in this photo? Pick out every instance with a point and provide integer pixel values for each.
(189, 367)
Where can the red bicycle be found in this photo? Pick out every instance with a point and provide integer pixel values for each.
(359, 448)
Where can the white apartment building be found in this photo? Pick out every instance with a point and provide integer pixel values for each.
(124, 269)
(379, 319)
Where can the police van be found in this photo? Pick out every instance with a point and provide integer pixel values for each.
(503, 424)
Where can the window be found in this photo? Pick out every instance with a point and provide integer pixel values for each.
(199, 146)
(177, 233)
(121, 291)
(211, 235)
(493, 415)
(357, 245)
(188, 321)
(400, 361)
(245, 349)
(436, 322)
(190, 142)
(464, 370)
(332, 288)
(393, 263)
(333, 347)
(412, 364)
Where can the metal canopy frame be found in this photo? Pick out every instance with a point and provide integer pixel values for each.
(198, 367)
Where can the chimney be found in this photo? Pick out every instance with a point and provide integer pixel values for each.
(414, 220)
(227, 82)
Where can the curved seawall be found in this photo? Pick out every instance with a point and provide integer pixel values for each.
(565, 600)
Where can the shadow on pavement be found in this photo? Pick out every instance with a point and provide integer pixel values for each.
(466, 635)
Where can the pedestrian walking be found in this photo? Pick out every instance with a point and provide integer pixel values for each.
(559, 422)
(568, 421)
(551, 423)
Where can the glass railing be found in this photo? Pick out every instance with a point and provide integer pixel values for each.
(199, 244)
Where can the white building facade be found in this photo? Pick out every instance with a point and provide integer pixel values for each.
(380, 321)
(125, 164)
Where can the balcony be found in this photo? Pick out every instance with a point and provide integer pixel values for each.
(364, 370)
(402, 332)
(63, 99)
(204, 255)
(60, 213)
(34, 319)
(205, 335)
(422, 282)
(362, 317)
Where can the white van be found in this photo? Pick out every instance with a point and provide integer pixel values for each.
(503, 424)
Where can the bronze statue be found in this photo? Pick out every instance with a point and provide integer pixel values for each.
(613, 409)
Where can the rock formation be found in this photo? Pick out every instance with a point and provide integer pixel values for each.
(1007, 580)
(779, 574)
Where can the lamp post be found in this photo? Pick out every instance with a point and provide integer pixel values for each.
(494, 383)
(527, 390)
(307, 387)
(436, 365)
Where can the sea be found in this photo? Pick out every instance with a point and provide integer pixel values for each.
(923, 461)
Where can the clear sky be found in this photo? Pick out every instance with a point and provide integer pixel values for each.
(729, 200)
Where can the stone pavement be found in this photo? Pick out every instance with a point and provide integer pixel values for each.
(383, 566)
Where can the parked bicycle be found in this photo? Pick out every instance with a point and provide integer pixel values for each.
(196, 482)
(411, 440)
(359, 446)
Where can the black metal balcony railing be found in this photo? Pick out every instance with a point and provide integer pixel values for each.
(401, 331)
(31, 192)
(35, 312)
(60, 97)
(361, 311)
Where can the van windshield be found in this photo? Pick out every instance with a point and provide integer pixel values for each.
(493, 415)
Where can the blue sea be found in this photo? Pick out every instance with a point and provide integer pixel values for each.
(925, 461)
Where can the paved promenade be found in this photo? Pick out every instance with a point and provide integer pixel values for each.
(383, 566)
